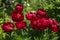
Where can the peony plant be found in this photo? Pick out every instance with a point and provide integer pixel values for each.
(39, 22)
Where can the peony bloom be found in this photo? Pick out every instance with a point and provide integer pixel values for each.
(8, 27)
(41, 12)
(21, 25)
(31, 16)
(33, 24)
(50, 21)
(19, 7)
(55, 22)
(44, 24)
(17, 16)
(54, 28)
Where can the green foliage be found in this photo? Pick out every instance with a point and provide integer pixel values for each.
(51, 6)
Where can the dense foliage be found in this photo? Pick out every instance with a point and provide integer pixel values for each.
(29, 19)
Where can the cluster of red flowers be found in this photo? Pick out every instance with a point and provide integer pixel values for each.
(39, 20)
(18, 17)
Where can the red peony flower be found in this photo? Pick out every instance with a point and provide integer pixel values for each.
(42, 28)
(21, 25)
(44, 22)
(50, 21)
(33, 24)
(8, 27)
(19, 7)
(41, 12)
(54, 28)
(17, 16)
(40, 24)
(55, 22)
(31, 16)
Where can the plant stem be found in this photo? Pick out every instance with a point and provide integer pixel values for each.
(26, 5)
(32, 37)
(3, 16)
(50, 34)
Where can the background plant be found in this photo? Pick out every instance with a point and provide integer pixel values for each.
(53, 11)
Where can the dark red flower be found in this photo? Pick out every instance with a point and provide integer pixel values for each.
(44, 22)
(21, 25)
(54, 28)
(19, 7)
(33, 24)
(17, 16)
(50, 21)
(40, 24)
(41, 12)
(31, 16)
(42, 28)
(24, 28)
(8, 27)
(55, 22)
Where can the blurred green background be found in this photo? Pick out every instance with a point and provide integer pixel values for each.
(7, 7)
